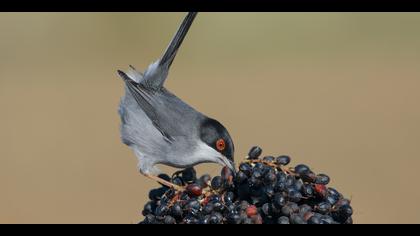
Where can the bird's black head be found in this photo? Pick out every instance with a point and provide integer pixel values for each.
(217, 137)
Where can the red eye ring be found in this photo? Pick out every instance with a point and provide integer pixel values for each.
(220, 144)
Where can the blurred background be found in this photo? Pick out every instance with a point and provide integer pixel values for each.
(336, 91)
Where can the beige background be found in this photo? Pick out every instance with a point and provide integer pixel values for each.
(337, 91)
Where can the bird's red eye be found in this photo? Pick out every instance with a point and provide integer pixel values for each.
(220, 145)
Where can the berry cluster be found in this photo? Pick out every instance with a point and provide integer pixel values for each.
(263, 191)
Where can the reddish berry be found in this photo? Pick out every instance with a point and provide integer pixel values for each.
(194, 190)
(251, 211)
(321, 190)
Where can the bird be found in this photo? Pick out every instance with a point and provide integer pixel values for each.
(161, 128)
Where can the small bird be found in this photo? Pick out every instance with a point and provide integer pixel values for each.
(161, 128)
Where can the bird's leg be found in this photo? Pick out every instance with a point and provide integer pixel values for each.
(166, 183)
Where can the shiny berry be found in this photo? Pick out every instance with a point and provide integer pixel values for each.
(156, 194)
(278, 200)
(266, 209)
(345, 211)
(283, 160)
(204, 181)
(218, 207)
(283, 220)
(294, 196)
(246, 169)
(254, 153)
(270, 178)
(194, 190)
(305, 208)
(161, 210)
(240, 177)
(322, 179)
(308, 177)
(323, 207)
(216, 183)
(289, 209)
(189, 175)
(301, 169)
(149, 208)
(307, 190)
(229, 197)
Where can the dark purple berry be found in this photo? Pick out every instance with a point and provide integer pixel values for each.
(283, 220)
(246, 169)
(294, 196)
(315, 220)
(308, 177)
(216, 183)
(289, 209)
(322, 179)
(189, 175)
(240, 177)
(156, 194)
(283, 160)
(323, 208)
(229, 197)
(307, 190)
(297, 219)
(204, 181)
(149, 208)
(169, 220)
(301, 169)
(161, 210)
(279, 201)
(268, 159)
(254, 153)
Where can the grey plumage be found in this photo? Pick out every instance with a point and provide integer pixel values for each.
(156, 124)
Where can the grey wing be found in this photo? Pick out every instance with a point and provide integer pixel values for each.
(144, 99)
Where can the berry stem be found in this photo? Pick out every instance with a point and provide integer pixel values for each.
(282, 168)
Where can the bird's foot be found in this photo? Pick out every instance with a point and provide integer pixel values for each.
(166, 183)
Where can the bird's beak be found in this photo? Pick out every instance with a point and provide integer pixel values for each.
(230, 164)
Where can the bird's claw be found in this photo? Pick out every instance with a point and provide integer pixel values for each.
(166, 183)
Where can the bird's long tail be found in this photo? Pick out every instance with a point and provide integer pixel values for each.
(176, 42)
(156, 74)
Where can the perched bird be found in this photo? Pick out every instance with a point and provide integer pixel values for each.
(161, 128)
